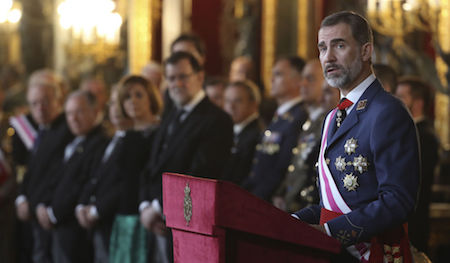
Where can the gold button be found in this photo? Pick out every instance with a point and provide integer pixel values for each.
(10, 131)
(291, 168)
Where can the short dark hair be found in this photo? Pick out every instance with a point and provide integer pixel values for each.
(213, 81)
(90, 98)
(297, 63)
(150, 89)
(419, 89)
(361, 30)
(250, 87)
(178, 56)
(194, 39)
(386, 74)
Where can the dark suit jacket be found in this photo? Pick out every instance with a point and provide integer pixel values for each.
(242, 153)
(199, 147)
(114, 186)
(274, 152)
(68, 177)
(386, 191)
(419, 222)
(50, 147)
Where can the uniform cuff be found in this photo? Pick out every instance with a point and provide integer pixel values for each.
(327, 229)
(93, 212)
(144, 205)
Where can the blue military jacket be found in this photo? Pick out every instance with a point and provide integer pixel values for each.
(374, 160)
(274, 152)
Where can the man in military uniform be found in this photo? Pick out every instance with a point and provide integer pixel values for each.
(299, 186)
(274, 151)
(369, 160)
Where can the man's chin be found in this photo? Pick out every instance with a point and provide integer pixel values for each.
(335, 82)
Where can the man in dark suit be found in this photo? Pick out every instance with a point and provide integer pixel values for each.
(195, 138)
(99, 199)
(417, 96)
(369, 160)
(242, 99)
(52, 135)
(274, 151)
(56, 208)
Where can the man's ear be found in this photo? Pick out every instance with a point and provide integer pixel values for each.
(418, 107)
(366, 51)
(201, 76)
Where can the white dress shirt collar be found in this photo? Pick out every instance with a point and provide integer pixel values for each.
(358, 91)
(285, 107)
(237, 128)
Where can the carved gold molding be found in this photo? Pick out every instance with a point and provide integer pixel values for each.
(303, 28)
(269, 11)
(139, 33)
(442, 104)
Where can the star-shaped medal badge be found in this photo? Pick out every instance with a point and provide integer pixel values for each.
(350, 182)
(340, 164)
(350, 146)
(360, 164)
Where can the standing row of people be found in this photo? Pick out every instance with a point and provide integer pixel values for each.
(90, 198)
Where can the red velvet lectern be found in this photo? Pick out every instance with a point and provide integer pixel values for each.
(217, 221)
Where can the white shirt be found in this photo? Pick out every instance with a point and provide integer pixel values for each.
(112, 145)
(285, 107)
(315, 112)
(357, 92)
(71, 147)
(190, 106)
(237, 128)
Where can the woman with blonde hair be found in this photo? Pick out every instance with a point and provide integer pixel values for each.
(139, 100)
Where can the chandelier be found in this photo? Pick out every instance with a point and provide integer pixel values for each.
(91, 21)
(397, 18)
(9, 12)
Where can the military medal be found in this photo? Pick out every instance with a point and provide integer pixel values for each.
(339, 118)
(350, 146)
(360, 164)
(350, 182)
(340, 164)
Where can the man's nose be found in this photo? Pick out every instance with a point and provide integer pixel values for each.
(329, 56)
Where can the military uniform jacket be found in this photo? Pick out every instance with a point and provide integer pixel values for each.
(374, 161)
(67, 178)
(274, 152)
(301, 175)
(199, 147)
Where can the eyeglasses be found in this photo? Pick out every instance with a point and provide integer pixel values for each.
(181, 77)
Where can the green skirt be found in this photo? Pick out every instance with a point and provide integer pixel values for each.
(128, 242)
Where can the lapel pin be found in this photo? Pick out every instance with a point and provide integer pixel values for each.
(361, 105)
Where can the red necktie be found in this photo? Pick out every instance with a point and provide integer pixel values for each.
(342, 113)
